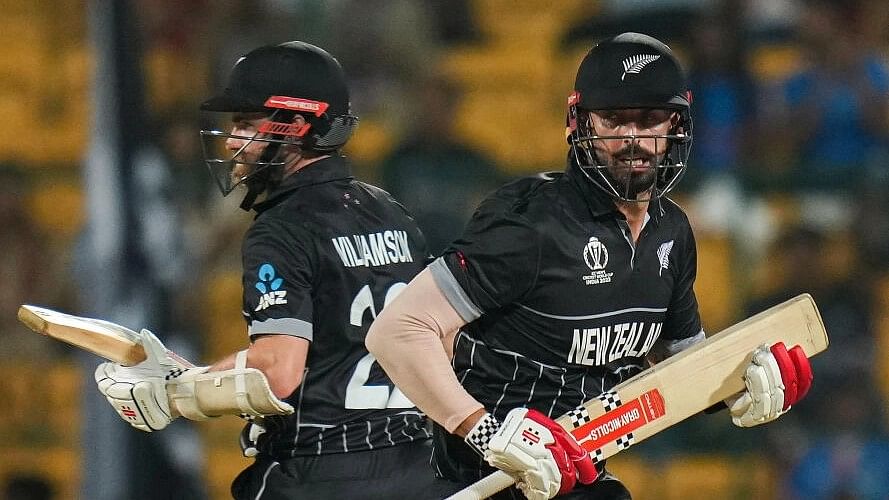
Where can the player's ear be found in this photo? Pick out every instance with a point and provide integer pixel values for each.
(299, 121)
(674, 119)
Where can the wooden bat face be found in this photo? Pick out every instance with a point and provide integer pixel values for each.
(104, 338)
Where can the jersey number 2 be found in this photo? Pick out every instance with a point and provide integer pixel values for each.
(358, 395)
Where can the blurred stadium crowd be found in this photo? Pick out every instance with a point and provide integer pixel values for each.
(787, 189)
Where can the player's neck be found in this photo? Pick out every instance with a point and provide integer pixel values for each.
(301, 163)
(632, 209)
(634, 212)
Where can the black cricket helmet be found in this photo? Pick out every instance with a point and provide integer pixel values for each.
(630, 71)
(281, 81)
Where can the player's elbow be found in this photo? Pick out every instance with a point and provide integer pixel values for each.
(374, 339)
(282, 359)
(285, 372)
(283, 383)
(381, 335)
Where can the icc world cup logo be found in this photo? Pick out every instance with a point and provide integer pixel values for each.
(595, 254)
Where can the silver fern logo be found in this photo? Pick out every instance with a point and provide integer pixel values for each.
(663, 255)
(635, 64)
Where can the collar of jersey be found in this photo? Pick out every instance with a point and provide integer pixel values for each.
(328, 169)
(596, 202)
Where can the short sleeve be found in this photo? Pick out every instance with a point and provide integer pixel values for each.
(494, 263)
(277, 280)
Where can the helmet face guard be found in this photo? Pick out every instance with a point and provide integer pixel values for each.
(319, 133)
(621, 179)
(278, 82)
(630, 71)
(235, 170)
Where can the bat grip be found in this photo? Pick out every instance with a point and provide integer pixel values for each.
(485, 487)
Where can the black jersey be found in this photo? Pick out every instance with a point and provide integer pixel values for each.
(323, 256)
(562, 305)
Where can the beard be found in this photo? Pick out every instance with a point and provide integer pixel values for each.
(633, 177)
(632, 182)
(239, 172)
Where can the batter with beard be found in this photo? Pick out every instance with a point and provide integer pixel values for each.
(562, 286)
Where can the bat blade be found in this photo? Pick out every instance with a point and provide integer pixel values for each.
(103, 338)
(679, 387)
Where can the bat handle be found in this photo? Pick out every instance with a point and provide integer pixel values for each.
(485, 487)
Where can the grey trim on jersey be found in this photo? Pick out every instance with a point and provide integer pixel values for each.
(453, 291)
(596, 316)
(677, 346)
(664, 348)
(265, 478)
(299, 407)
(317, 426)
(283, 326)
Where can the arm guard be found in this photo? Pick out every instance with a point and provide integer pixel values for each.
(198, 394)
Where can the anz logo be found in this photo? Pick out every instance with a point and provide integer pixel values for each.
(269, 285)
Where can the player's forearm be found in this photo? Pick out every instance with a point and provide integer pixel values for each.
(281, 358)
(469, 422)
(406, 338)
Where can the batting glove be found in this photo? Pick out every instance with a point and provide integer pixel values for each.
(776, 379)
(139, 398)
(542, 457)
(138, 393)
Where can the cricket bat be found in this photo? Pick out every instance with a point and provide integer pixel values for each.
(678, 387)
(106, 339)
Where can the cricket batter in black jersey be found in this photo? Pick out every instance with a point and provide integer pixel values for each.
(562, 286)
(322, 258)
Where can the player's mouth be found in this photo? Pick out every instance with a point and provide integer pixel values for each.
(634, 164)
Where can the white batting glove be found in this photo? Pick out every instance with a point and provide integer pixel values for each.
(542, 457)
(139, 398)
(157, 356)
(138, 393)
(776, 379)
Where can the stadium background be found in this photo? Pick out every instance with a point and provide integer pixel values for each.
(453, 97)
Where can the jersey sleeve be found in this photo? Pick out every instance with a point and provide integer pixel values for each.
(683, 320)
(277, 280)
(494, 263)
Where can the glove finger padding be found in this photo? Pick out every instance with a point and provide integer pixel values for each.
(763, 400)
(804, 375)
(526, 450)
(773, 396)
(583, 463)
(140, 402)
(788, 373)
(795, 371)
(776, 379)
(578, 459)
